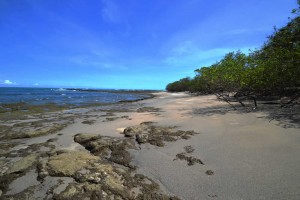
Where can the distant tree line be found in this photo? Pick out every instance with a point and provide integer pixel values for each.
(274, 69)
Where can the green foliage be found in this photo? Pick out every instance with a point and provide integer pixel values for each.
(272, 69)
(180, 86)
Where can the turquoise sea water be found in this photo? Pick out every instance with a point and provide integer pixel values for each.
(60, 96)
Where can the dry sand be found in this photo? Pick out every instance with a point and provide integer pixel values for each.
(249, 157)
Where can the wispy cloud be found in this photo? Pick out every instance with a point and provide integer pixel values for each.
(60, 32)
(93, 61)
(189, 55)
(110, 11)
(184, 48)
(8, 82)
(245, 31)
(236, 31)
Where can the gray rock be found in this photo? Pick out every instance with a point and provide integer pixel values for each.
(82, 138)
(130, 132)
(23, 164)
(142, 138)
(67, 164)
(42, 172)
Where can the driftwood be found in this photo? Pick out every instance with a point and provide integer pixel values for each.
(291, 101)
(227, 99)
(223, 98)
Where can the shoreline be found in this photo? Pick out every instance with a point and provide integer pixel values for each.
(218, 152)
(36, 103)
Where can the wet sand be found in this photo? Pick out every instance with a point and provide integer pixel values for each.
(244, 155)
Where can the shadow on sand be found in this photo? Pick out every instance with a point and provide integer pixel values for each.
(287, 117)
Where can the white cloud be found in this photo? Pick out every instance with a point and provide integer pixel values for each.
(8, 82)
(36, 84)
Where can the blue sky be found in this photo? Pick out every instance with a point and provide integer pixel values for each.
(126, 44)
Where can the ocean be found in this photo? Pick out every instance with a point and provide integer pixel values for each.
(61, 96)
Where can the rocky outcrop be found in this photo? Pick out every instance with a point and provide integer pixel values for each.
(22, 164)
(97, 175)
(104, 171)
(33, 129)
(109, 148)
(148, 109)
(147, 132)
(68, 163)
(102, 179)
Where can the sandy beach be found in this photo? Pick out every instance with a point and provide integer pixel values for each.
(251, 157)
(171, 146)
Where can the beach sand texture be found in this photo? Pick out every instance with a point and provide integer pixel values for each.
(235, 155)
(251, 157)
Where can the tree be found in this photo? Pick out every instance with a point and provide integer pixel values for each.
(271, 70)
